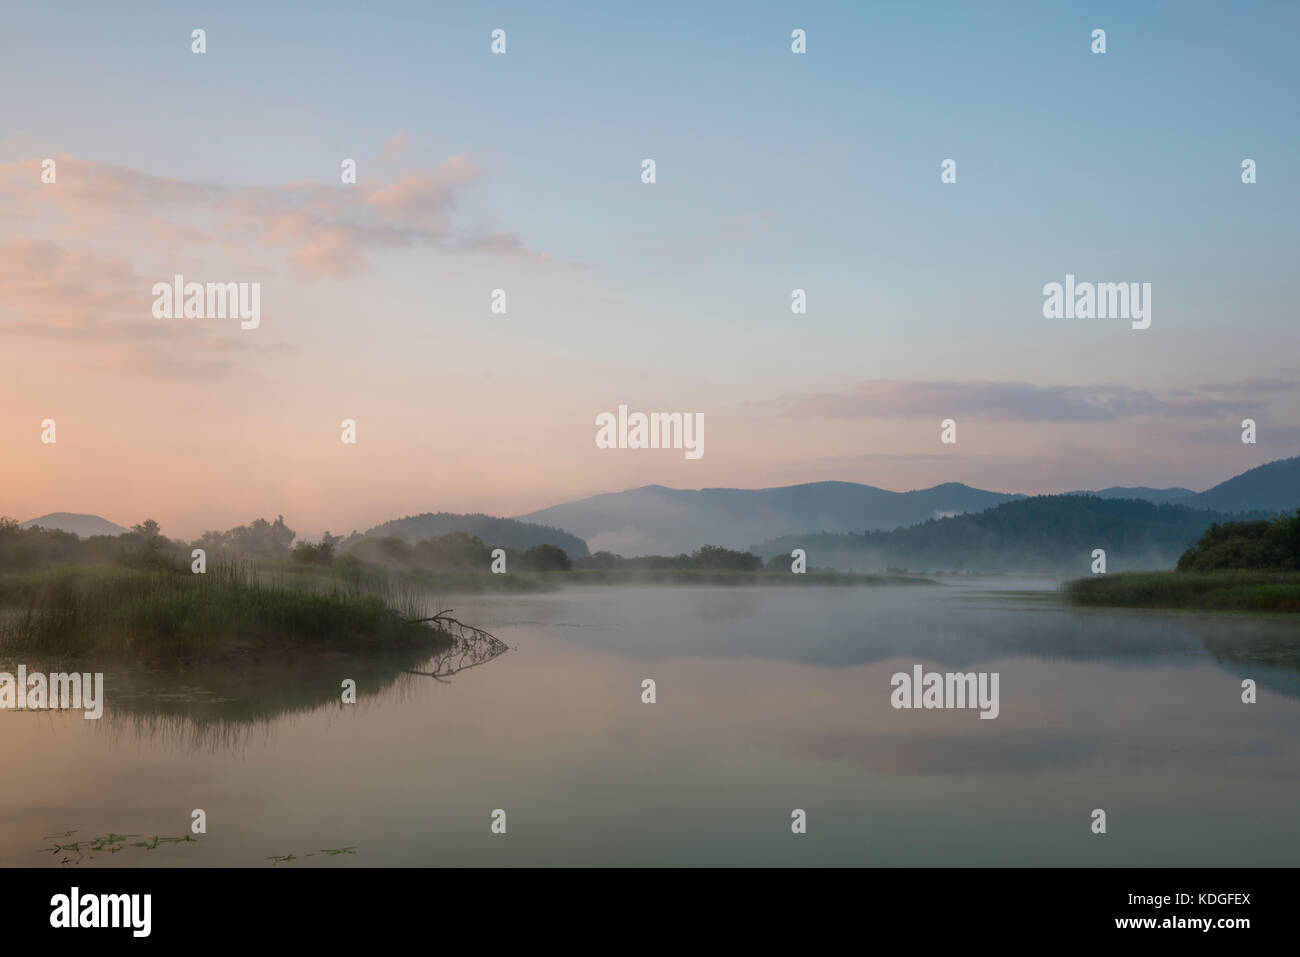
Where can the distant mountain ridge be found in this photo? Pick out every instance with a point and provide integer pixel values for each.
(1160, 496)
(83, 526)
(658, 520)
(655, 520)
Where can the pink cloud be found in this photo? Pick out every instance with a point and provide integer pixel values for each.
(329, 252)
(57, 289)
(324, 229)
(394, 147)
(424, 199)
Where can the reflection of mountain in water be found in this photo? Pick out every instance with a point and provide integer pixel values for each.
(951, 627)
(220, 706)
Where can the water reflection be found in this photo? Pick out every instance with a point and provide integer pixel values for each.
(470, 647)
(768, 699)
(955, 627)
(220, 707)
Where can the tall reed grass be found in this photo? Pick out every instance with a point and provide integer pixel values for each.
(1222, 590)
(234, 609)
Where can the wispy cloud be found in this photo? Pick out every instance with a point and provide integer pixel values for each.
(1018, 401)
(394, 147)
(323, 229)
(65, 296)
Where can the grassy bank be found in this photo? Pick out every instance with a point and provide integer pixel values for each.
(1271, 591)
(163, 617)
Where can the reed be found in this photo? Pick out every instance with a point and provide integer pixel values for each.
(1240, 590)
(159, 616)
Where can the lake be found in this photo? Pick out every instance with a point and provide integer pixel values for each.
(767, 700)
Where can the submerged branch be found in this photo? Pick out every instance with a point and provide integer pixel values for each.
(472, 646)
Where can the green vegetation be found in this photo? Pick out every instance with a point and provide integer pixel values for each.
(714, 565)
(259, 539)
(276, 859)
(708, 558)
(25, 549)
(1223, 590)
(1243, 566)
(136, 599)
(500, 532)
(179, 644)
(109, 843)
(1238, 545)
(454, 552)
(321, 553)
(146, 615)
(454, 562)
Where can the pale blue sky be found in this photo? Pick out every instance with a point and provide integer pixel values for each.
(775, 171)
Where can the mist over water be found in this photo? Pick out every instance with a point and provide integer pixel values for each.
(768, 699)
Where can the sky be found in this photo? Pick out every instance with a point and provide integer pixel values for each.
(522, 171)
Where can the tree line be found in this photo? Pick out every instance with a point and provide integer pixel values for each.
(146, 547)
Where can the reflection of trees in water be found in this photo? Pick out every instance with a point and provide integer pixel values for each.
(223, 707)
(1269, 655)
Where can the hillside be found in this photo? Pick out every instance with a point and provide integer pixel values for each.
(1274, 487)
(654, 519)
(506, 532)
(83, 526)
(1049, 534)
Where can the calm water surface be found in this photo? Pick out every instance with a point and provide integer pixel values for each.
(768, 700)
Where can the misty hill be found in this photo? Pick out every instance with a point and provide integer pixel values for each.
(1047, 533)
(1158, 495)
(655, 520)
(82, 526)
(506, 532)
(1274, 487)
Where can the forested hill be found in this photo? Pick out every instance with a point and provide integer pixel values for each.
(507, 532)
(1047, 533)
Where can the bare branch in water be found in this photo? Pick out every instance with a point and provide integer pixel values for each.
(471, 646)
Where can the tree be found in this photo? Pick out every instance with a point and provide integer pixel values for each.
(1246, 545)
(545, 558)
(715, 556)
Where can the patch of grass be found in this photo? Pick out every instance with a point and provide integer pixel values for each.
(1268, 591)
(161, 617)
